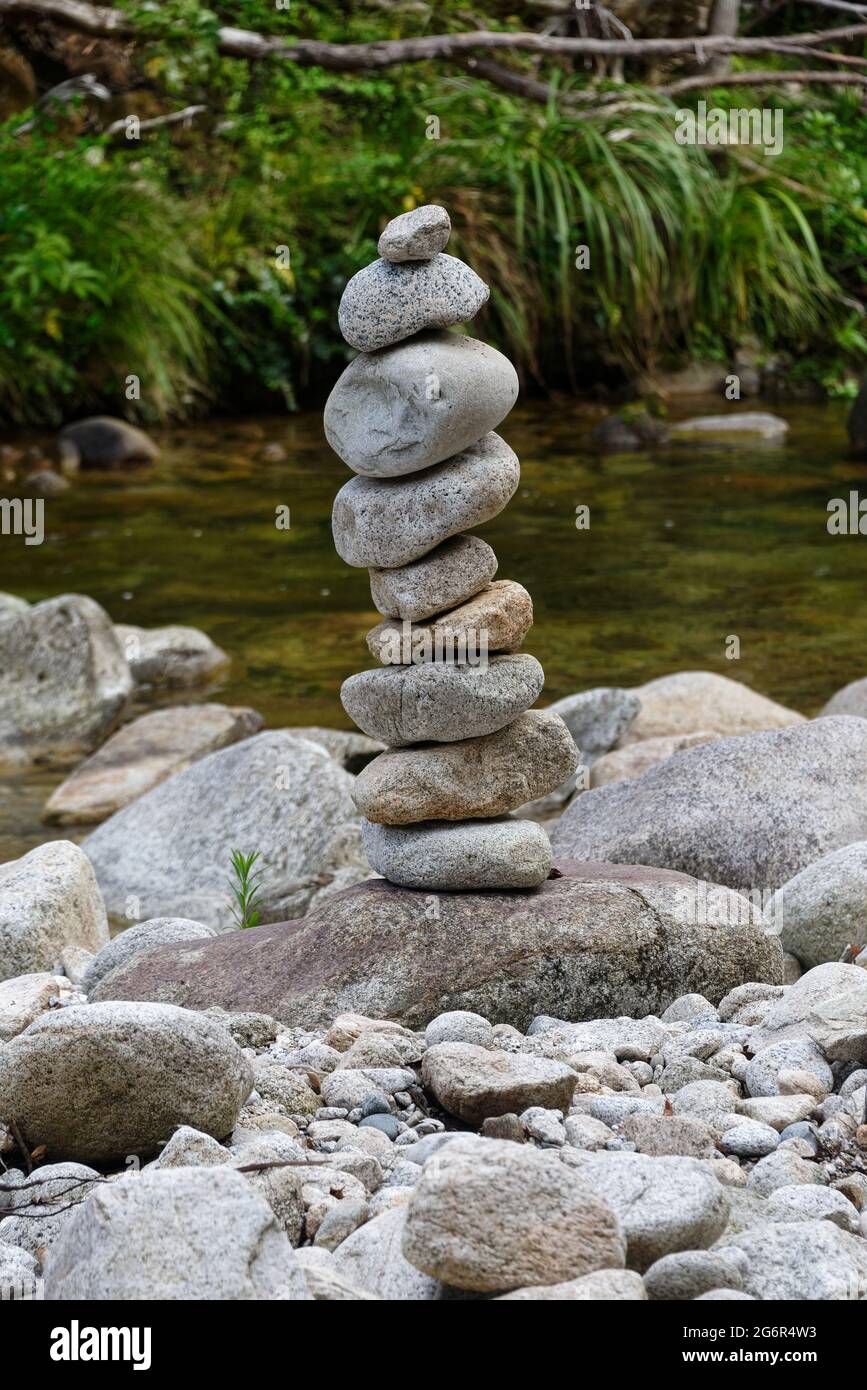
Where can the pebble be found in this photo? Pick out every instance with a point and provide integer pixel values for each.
(417, 235)
(443, 578)
(444, 857)
(388, 301)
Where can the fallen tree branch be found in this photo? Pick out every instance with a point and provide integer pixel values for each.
(101, 22)
(184, 117)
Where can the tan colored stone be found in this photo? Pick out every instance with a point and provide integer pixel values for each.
(623, 764)
(472, 778)
(475, 1083)
(493, 1216)
(495, 620)
(144, 753)
(688, 701)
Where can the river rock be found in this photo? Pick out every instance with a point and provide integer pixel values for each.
(411, 406)
(418, 235)
(605, 1285)
(442, 702)
(98, 1082)
(486, 776)
(388, 301)
(372, 1259)
(64, 681)
(749, 812)
(144, 753)
(437, 856)
(353, 751)
(691, 702)
(139, 938)
(750, 424)
(24, 998)
(595, 719)
(801, 1260)
(168, 851)
(49, 900)
(474, 1083)
(495, 620)
(600, 941)
(154, 1236)
(663, 1204)
(442, 579)
(35, 1215)
(690, 1273)
(103, 442)
(170, 657)
(389, 522)
(623, 764)
(852, 699)
(823, 909)
(489, 1215)
(829, 1005)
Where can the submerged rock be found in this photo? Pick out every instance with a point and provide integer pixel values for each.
(170, 657)
(103, 442)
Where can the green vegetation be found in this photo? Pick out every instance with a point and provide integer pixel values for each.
(160, 257)
(245, 884)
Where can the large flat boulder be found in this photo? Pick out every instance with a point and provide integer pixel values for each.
(599, 941)
(167, 853)
(750, 811)
(144, 753)
(64, 681)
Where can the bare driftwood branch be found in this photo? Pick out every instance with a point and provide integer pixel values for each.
(184, 117)
(101, 22)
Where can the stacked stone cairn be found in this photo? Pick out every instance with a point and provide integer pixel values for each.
(414, 416)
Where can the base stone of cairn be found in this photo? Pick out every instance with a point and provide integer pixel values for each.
(414, 417)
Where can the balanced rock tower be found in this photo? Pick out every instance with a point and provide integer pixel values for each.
(414, 417)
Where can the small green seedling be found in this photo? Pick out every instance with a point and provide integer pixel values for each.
(245, 884)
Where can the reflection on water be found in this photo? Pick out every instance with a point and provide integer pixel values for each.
(686, 547)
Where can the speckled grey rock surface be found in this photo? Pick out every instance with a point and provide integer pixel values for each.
(486, 776)
(440, 701)
(545, 1224)
(413, 405)
(442, 579)
(474, 1082)
(98, 1082)
(417, 235)
(852, 699)
(155, 1236)
(664, 1204)
(473, 855)
(385, 303)
(495, 620)
(386, 523)
(142, 936)
(49, 900)
(747, 811)
(823, 909)
(801, 1260)
(600, 941)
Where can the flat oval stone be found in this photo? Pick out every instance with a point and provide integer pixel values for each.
(495, 620)
(444, 857)
(447, 576)
(416, 235)
(385, 303)
(388, 522)
(472, 778)
(440, 702)
(413, 405)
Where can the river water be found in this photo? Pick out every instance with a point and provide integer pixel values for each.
(687, 547)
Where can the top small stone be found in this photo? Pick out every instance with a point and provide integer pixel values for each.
(415, 236)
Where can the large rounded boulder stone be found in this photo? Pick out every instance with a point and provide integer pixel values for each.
(175, 1234)
(598, 941)
(98, 1083)
(49, 901)
(167, 853)
(488, 1215)
(64, 681)
(750, 812)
